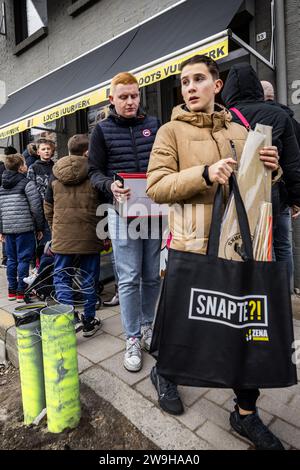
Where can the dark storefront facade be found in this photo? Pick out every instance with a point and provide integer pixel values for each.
(73, 96)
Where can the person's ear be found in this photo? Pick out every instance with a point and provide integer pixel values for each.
(218, 85)
(111, 99)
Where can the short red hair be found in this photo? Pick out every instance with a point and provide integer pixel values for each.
(124, 78)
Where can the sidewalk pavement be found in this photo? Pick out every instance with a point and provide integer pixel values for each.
(205, 423)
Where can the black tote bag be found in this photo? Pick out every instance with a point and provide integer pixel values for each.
(223, 323)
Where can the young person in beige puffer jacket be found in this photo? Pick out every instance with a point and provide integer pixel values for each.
(193, 152)
(70, 208)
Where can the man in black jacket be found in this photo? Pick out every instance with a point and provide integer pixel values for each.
(269, 96)
(282, 233)
(243, 91)
(122, 143)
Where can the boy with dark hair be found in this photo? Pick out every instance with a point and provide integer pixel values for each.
(189, 155)
(21, 215)
(70, 207)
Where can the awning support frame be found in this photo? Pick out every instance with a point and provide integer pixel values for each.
(252, 51)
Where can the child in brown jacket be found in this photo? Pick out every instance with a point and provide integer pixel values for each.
(70, 208)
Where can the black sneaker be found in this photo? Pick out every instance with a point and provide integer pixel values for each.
(254, 429)
(168, 396)
(90, 327)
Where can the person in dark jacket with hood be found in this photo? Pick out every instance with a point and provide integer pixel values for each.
(21, 215)
(282, 233)
(244, 92)
(269, 96)
(70, 207)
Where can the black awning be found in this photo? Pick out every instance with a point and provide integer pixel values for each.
(186, 24)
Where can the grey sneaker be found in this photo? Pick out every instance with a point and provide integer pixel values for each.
(133, 355)
(146, 337)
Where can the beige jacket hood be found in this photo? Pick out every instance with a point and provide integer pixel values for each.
(182, 149)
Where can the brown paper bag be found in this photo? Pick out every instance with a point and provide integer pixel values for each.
(255, 188)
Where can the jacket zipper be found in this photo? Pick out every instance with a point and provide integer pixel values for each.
(137, 163)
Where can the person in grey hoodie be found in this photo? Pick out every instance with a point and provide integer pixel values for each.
(21, 216)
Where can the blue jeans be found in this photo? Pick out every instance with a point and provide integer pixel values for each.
(87, 283)
(137, 266)
(20, 248)
(283, 241)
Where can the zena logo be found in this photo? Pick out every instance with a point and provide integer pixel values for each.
(236, 312)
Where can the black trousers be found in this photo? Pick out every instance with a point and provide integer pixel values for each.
(246, 399)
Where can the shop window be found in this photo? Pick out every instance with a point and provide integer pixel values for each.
(96, 114)
(30, 18)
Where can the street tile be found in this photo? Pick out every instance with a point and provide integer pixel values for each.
(191, 419)
(6, 322)
(104, 313)
(115, 309)
(146, 388)
(287, 413)
(286, 432)
(190, 395)
(115, 365)
(282, 395)
(82, 340)
(295, 402)
(113, 325)
(83, 364)
(98, 348)
(219, 395)
(221, 439)
(212, 412)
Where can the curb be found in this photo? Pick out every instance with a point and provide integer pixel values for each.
(8, 338)
(153, 423)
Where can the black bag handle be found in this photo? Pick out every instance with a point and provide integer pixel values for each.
(216, 221)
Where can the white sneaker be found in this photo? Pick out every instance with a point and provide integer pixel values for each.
(146, 337)
(133, 355)
(29, 280)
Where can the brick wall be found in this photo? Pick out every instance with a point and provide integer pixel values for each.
(292, 21)
(69, 37)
